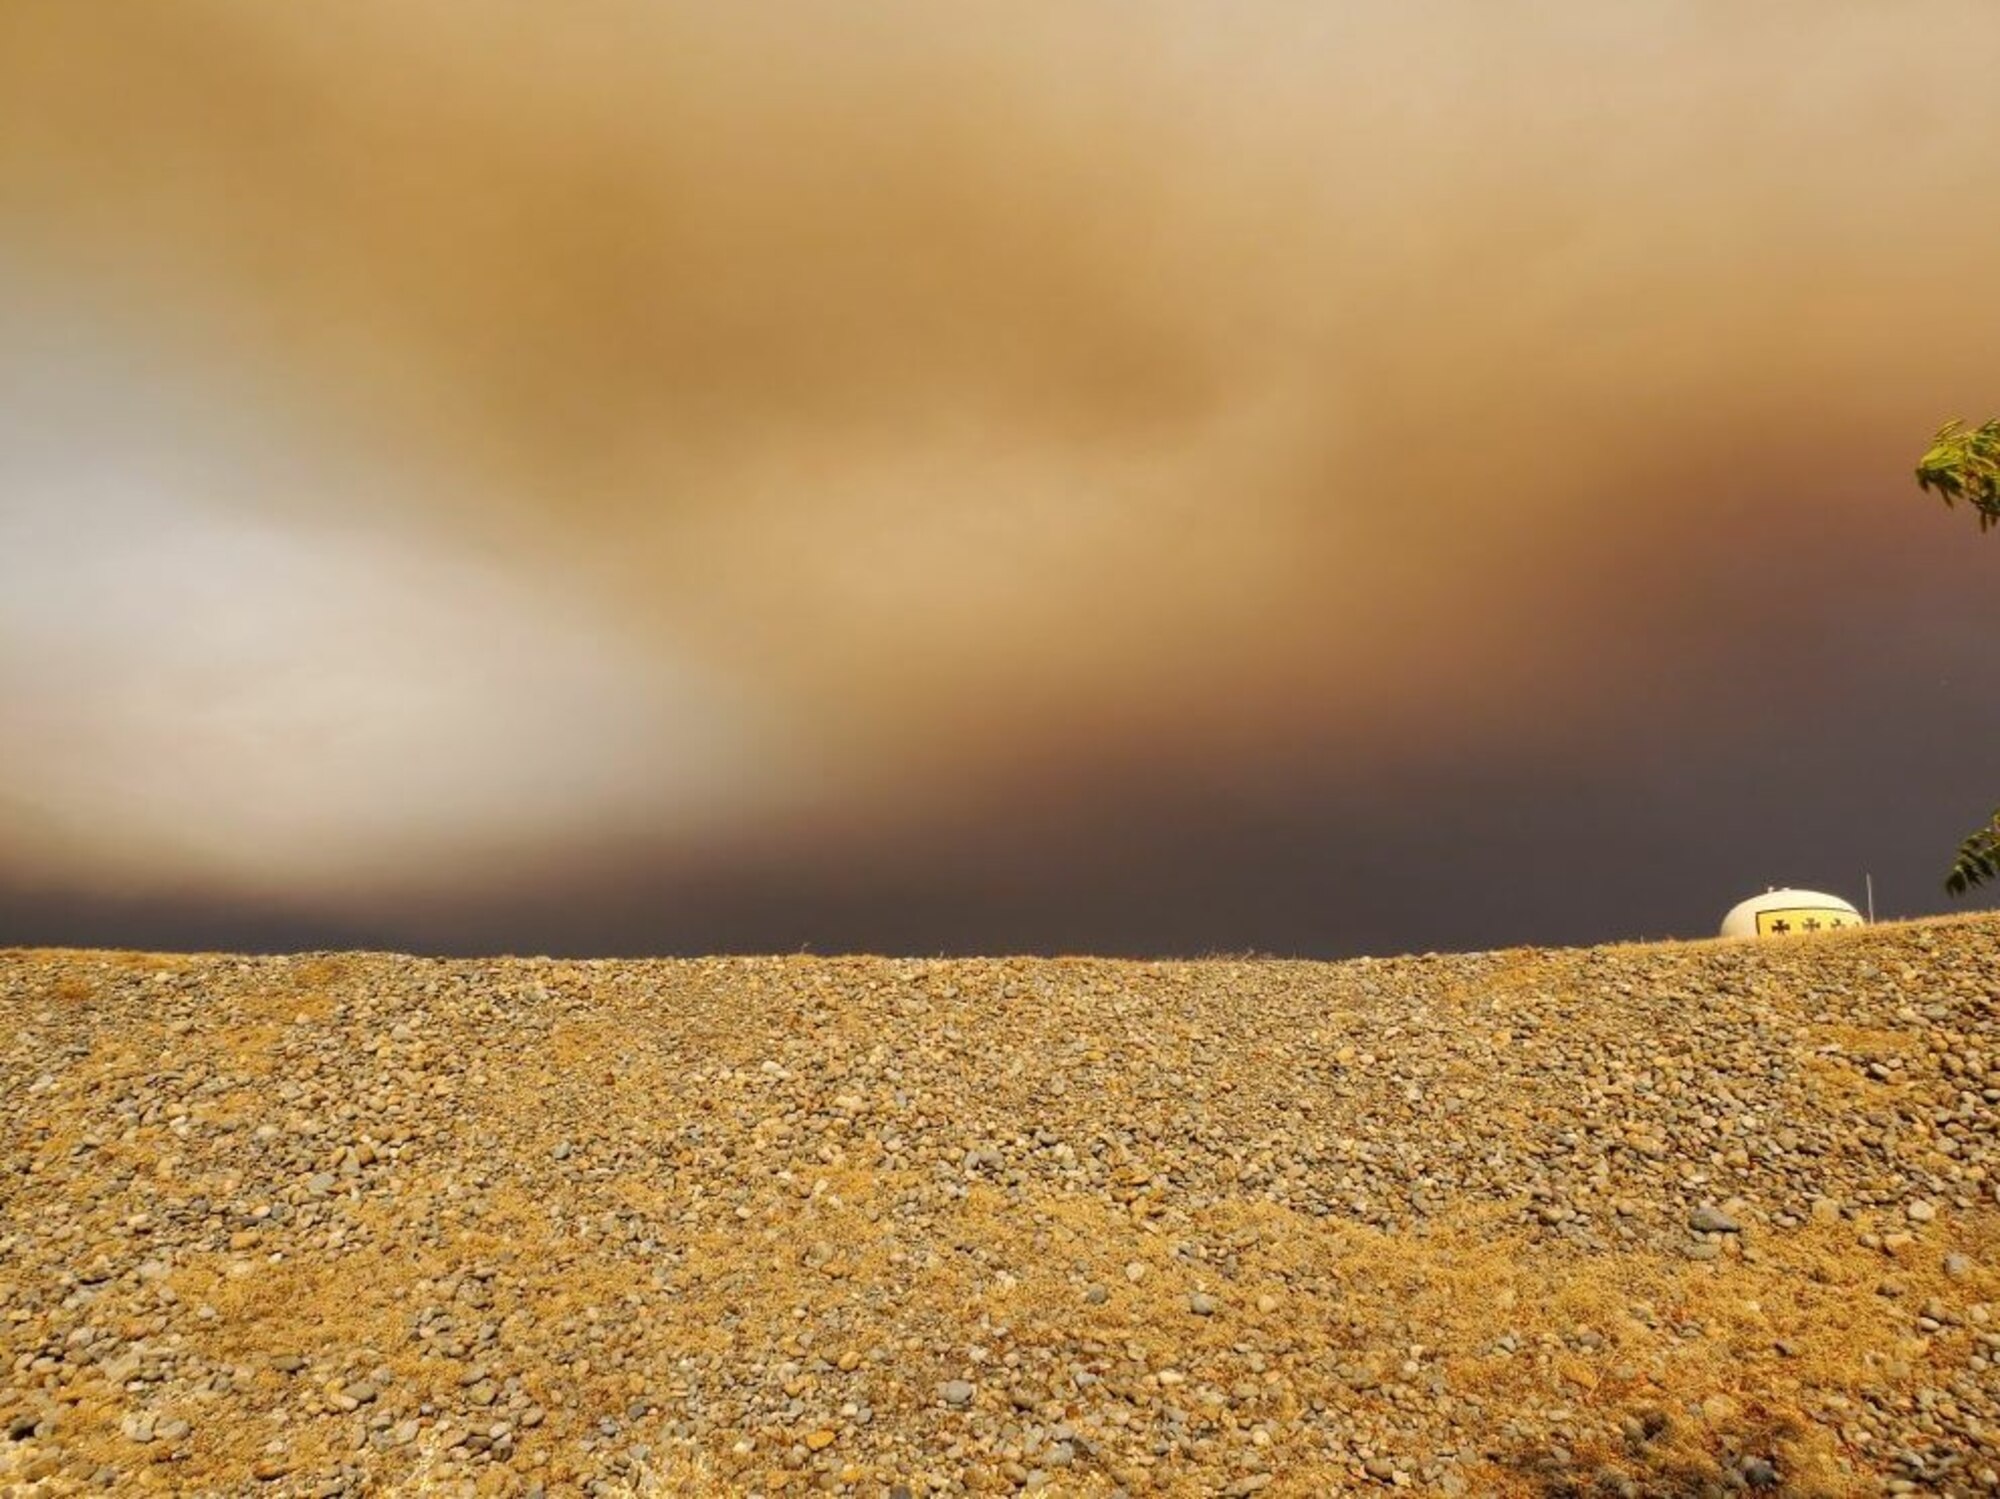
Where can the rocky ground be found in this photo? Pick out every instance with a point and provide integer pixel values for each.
(1644, 1220)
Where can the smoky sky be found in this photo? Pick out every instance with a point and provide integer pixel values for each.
(1135, 478)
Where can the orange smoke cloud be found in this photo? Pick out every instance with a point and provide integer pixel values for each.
(980, 389)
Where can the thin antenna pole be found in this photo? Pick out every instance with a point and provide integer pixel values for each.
(1871, 897)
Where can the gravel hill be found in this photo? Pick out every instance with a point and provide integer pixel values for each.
(1638, 1220)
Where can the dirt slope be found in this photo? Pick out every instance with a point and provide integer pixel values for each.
(1643, 1220)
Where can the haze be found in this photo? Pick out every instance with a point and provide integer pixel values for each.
(1130, 478)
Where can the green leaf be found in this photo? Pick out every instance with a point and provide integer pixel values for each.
(1978, 859)
(1964, 463)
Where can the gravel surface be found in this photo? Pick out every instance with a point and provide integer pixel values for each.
(1689, 1219)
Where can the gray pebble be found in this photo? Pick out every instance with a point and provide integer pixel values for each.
(1708, 1219)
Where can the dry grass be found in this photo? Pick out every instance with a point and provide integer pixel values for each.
(1599, 1338)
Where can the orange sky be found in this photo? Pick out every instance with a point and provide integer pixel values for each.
(445, 449)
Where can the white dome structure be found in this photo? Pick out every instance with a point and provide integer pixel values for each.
(1789, 913)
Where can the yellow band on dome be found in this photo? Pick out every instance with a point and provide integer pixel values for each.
(1789, 920)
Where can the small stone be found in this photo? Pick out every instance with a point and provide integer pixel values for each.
(1707, 1219)
(288, 1363)
(270, 1469)
(1957, 1266)
(820, 1440)
(1758, 1473)
(1135, 1272)
(1202, 1304)
(361, 1392)
(1921, 1212)
(173, 1429)
(1097, 1296)
(955, 1392)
